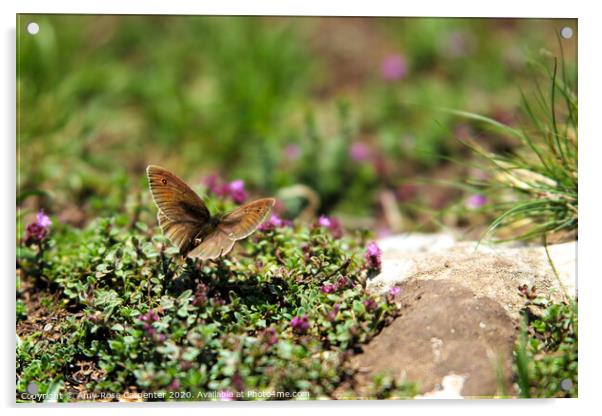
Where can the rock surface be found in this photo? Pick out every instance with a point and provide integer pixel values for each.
(495, 272)
(461, 311)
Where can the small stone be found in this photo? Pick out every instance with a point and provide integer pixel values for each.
(482, 325)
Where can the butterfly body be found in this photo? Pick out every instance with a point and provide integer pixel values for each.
(186, 221)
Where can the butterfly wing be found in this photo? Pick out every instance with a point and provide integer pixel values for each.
(244, 220)
(174, 198)
(235, 225)
(181, 234)
(215, 244)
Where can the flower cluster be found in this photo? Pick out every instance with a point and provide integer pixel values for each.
(200, 295)
(476, 201)
(328, 288)
(370, 304)
(394, 67)
(373, 256)
(300, 324)
(331, 223)
(341, 283)
(359, 152)
(270, 336)
(148, 319)
(332, 314)
(274, 222)
(234, 190)
(37, 230)
(393, 293)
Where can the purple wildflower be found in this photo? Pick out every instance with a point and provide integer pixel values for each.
(274, 222)
(215, 185)
(149, 317)
(393, 67)
(359, 152)
(373, 256)
(332, 224)
(36, 231)
(343, 282)
(395, 290)
(328, 288)
(333, 313)
(292, 152)
(476, 201)
(147, 321)
(370, 304)
(237, 191)
(300, 323)
(175, 384)
(200, 295)
(43, 220)
(324, 221)
(270, 336)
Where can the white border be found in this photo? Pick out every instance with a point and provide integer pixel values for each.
(507, 8)
(590, 95)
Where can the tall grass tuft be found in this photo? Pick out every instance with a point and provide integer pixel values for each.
(535, 187)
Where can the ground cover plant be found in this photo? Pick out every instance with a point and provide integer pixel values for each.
(546, 358)
(345, 122)
(280, 319)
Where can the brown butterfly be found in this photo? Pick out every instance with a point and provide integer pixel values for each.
(186, 221)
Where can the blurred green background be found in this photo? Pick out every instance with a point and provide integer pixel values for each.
(348, 107)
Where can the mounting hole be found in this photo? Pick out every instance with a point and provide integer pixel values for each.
(566, 384)
(33, 28)
(566, 32)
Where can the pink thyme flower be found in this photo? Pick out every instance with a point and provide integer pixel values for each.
(359, 152)
(343, 282)
(324, 221)
(43, 219)
(36, 231)
(476, 201)
(393, 67)
(370, 304)
(274, 222)
(395, 290)
(292, 152)
(332, 314)
(215, 185)
(328, 288)
(147, 321)
(373, 256)
(300, 324)
(237, 191)
(332, 224)
(270, 336)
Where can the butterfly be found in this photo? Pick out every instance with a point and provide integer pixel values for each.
(186, 221)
